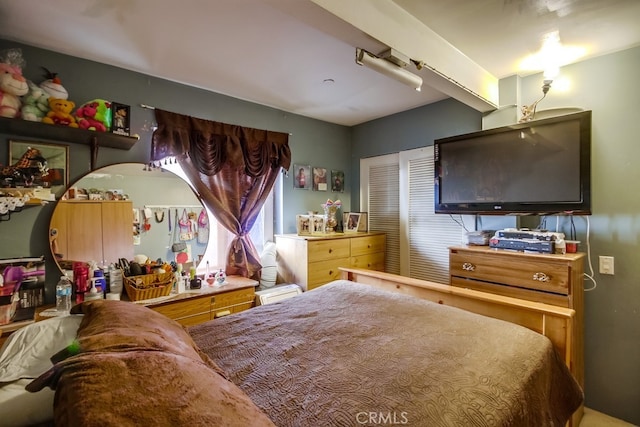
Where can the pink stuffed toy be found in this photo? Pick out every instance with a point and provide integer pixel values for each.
(95, 115)
(12, 84)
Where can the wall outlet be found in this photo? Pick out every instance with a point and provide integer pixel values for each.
(606, 265)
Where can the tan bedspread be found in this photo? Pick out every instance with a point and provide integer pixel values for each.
(347, 354)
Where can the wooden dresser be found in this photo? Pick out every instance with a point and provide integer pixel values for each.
(312, 261)
(209, 302)
(555, 279)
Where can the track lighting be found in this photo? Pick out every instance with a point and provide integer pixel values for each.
(388, 68)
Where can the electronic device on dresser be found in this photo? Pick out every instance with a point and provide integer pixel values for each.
(527, 240)
(537, 167)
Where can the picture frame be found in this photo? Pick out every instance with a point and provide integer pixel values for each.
(320, 179)
(303, 225)
(337, 181)
(302, 176)
(57, 162)
(120, 119)
(318, 223)
(352, 222)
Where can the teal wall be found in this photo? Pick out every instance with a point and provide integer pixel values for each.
(609, 86)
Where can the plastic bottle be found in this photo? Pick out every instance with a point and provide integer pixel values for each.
(63, 295)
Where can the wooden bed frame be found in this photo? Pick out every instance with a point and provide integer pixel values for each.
(556, 323)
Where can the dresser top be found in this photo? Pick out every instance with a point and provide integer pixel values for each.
(487, 249)
(328, 236)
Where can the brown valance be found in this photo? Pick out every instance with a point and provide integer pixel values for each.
(232, 168)
(210, 145)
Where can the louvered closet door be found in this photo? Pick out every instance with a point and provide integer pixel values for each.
(403, 207)
(379, 196)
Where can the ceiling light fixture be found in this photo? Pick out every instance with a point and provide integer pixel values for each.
(388, 68)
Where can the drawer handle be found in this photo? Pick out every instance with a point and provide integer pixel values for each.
(467, 266)
(368, 246)
(541, 277)
(330, 250)
(330, 272)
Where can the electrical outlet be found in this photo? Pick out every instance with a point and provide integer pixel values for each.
(606, 265)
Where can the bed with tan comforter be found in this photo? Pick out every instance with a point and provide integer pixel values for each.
(349, 354)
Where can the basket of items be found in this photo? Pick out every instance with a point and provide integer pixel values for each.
(148, 286)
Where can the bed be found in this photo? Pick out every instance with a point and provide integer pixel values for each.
(372, 349)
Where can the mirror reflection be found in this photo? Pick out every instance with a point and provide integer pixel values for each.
(127, 211)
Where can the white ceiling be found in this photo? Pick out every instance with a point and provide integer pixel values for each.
(280, 52)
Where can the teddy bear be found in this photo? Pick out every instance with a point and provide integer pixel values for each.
(12, 84)
(94, 115)
(60, 113)
(35, 104)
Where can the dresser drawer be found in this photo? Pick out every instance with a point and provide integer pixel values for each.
(370, 261)
(511, 291)
(552, 275)
(197, 310)
(323, 272)
(367, 245)
(229, 300)
(327, 249)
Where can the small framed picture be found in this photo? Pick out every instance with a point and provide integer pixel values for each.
(120, 118)
(319, 179)
(318, 224)
(337, 181)
(302, 177)
(352, 222)
(303, 225)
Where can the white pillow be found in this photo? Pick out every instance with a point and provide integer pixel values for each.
(26, 353)
(269, 265)
(21, 408)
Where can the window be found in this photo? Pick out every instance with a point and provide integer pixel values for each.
(220, 237)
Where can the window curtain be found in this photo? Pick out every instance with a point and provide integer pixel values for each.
(232, 168)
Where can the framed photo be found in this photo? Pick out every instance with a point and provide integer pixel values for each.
(337, 181)
(120, 118)
(303, 225)
(319, 179)
(318, 224)
(352, 222)
(302, 177)
(40, 165)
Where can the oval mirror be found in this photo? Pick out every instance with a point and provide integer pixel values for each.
(128, 211)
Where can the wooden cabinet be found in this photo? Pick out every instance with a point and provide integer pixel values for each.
(312, 261)
(208, 303)
(555, 279)
(88, 230)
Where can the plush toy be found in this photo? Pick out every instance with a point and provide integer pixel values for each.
(12, 84)
(35, 104)
(53, 86)
(60, 113)
(95, 115)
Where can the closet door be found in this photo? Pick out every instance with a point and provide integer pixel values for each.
(403, 207)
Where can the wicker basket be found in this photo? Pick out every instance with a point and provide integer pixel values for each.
(148, 286)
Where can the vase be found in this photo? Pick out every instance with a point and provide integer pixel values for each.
(330, 220)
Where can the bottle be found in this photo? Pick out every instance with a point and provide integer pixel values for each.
(63, 295)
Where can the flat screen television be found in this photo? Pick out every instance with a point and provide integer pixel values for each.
(540, 167)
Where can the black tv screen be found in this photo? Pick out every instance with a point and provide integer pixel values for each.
(538, 167)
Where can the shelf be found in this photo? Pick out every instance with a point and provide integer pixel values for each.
(26, 128)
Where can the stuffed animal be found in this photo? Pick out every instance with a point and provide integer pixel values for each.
(53, 86)
(12, 84)
(60, 113)
(95, 115)
(35, 104)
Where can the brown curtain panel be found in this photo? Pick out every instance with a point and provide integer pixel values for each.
(232, 168)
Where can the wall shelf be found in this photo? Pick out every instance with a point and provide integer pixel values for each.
(26, 128)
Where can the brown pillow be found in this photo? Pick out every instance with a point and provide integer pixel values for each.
(112, 325)
(149, 388)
